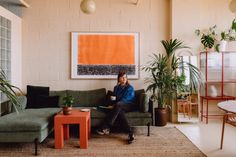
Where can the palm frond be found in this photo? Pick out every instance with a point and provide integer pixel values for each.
(172, 45)
(7, 88)
(163, 81)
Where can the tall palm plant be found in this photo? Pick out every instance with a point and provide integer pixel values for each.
(8, 89)
(163, 81)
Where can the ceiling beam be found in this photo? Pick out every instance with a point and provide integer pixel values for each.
(24, 3)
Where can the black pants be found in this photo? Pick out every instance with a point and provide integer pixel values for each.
(118, 113)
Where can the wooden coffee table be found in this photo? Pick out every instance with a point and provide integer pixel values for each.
(61, 127)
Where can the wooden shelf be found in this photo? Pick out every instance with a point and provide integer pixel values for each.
(216, 82)
(218, 70)
(224, 97)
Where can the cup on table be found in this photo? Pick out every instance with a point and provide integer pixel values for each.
(113, 98)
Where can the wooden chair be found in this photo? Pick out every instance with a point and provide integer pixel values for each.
(182, 105)
(192, 101)
(229, 118)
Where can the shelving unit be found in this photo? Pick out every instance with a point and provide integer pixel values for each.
(219, 70)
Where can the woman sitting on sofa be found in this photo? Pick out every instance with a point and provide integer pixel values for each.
(123, 100)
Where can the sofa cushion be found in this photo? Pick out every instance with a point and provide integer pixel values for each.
(137, 114)
(108, 98)
(27, 120)
(33, 92)
(143, 102)
(47, 101)
(137, 95)
(61, 94)
(94, 112)
(88, 98)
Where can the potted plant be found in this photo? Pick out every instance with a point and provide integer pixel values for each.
(68, 100)
(163, 81)
(208, 37)
(227, 36)
(8, 89)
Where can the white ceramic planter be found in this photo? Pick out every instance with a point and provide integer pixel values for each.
(231, 46)
(213, 91)
(222, 45)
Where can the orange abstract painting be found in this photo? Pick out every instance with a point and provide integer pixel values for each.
(103, 55)
(106, 49)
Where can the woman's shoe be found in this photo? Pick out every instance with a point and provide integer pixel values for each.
(105, 131)
(130, 138)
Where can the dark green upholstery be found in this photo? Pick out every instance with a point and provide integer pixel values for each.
(98, 97)
(137, 95)
(22, 100)
(61, 94)
(30, 124)
(27, 125)
(28, 120)
(143, 102)
(88, 98)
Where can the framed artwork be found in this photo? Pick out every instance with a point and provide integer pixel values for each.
(103, 55)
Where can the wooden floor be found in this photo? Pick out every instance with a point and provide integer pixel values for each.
(207, 137)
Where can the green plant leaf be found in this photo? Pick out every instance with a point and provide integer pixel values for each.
(217, 47)
(207, 41)
(8, 89)
(163, 81)
(233, 26)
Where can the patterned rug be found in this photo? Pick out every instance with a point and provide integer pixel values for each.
(162, 142)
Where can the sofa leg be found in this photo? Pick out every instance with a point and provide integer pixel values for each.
(148, 127)
(36, 147)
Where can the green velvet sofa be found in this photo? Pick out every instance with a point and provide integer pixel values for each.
(34, 125)
(94, 98)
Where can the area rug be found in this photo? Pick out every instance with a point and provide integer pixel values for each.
(162, 142)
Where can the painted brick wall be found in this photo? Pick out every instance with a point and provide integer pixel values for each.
(46, 36)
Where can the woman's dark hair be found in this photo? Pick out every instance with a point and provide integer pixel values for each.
(120, 74)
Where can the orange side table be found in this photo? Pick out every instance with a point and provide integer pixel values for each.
(61, 127)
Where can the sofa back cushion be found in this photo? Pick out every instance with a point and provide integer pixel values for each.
(142, 100)
(33, 92)
(88, 98)
(61, 94)
(137, 95)
(47, 101)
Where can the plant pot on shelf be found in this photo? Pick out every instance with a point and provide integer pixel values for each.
(213, 91)
(67, 110)
(231, 46)
(222, 45)
(160, 116)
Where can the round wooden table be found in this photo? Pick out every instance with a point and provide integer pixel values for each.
(229, 117)
(228, 106)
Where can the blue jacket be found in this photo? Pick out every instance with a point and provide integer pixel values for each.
(124, 94)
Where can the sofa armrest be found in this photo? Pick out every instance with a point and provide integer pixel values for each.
(22, 100)
(151, 108)
(144, 102)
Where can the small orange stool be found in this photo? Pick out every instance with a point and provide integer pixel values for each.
(61, 127)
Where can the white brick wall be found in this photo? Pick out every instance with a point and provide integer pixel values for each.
(46, 36)
(16, 60)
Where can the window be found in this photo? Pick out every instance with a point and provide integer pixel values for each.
(5, 50)
(188, 59)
